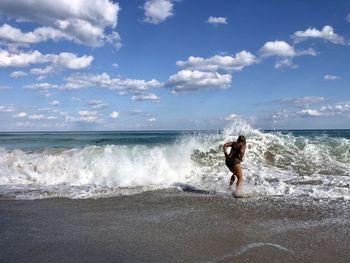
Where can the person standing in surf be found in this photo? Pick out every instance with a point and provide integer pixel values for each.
(234, 159)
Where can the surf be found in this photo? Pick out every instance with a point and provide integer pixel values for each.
(276, 163)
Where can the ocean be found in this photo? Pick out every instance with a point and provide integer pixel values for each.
(80, 165)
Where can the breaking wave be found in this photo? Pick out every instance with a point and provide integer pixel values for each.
(275, 164)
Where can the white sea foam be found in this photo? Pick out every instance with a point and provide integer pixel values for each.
(274, 164)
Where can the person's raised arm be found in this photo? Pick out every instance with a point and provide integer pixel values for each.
(224, 147)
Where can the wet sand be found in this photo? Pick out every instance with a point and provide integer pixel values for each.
(172, 226)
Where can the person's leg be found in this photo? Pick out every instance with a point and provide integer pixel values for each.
(233, 177)
(239, 174)
(232, 180)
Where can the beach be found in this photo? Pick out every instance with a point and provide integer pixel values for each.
(175, 226)
(162, 196)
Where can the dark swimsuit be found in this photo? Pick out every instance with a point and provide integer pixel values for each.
(231, 162)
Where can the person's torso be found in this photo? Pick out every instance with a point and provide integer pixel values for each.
(235, 149)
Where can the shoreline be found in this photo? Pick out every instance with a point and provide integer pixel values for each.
(173, 226)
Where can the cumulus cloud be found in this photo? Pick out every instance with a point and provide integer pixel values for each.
(98, 104)
(12, 34)
(303, 101)
(214, 63)
(285, 63)
(7, 109)
(310, 113)
(157, 11)
(36, 117)
(64, 60)
(84, 116)
(81, 21)
(18, 74)
(327, 33)
(146, 97)
(55, 103)
(133, 87)
(191, 80)
(20, 115)
(283, 49)
(280, 116)
(331, 77)
(152, 119)
(217, 20)
(231, 117)
(8, 59)
(43, 86)
(114, 115)
(285, 52)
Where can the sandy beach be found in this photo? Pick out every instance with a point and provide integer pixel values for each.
(174, 226)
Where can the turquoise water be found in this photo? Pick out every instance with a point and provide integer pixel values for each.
(100, 164)
(37, 140)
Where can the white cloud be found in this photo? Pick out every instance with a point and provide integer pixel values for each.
(331, 77)
(217, 20)
(21, 115)
(327, 34)
(84, 116)
(36, 117)
(8, 59)
(123, 86)
(231, 117)
(285, 51)
(342, 107)
(71, 61)
(86, 113)
(277, 48)
(55, 103)
(157, 11)
(61, 61)
(43, 86)
(191, 80)
(310, 113)
(303, 101)
(285, 63)
(114, 115)
(146, 97)
(18, 74)
(81, 21)
(42, 71)
(152, 119)
(214, 63)
(280, 116)
(348, 18)
(98, 104)
(12, 34)
(7, 109)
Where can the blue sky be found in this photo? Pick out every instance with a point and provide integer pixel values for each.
(173, 64)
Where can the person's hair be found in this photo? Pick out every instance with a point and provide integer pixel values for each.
(241, 138)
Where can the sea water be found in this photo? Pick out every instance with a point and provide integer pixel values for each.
(313, 163)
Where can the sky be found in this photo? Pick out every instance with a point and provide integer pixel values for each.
(68, 65)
